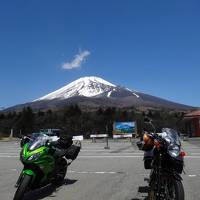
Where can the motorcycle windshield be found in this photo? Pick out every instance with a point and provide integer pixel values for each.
(37, 143)
(171, 136)
(35, 135)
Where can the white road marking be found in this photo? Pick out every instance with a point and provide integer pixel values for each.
(90, 172)
(93, 147)
(99, 156)
(109, 156)
(191, 157)
(109, 151)
(8, 156)
(88, 156)
(13, 170)
(192, 175)
(8, 153)
(120, 153)
(110, 172)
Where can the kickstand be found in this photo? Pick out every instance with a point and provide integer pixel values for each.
(69, 163)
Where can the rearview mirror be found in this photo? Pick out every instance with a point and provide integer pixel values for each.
(24, 140)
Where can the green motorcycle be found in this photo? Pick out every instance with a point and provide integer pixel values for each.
(41, 167)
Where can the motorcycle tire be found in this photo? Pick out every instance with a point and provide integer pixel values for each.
(178, 187)
(60, 176)
(179, 190)
(61, 172)
(22, 188)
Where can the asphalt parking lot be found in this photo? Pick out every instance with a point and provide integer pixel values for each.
(98, 174)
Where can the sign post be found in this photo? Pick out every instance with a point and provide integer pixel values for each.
(106, 147)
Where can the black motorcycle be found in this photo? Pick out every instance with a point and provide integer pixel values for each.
(164, 157)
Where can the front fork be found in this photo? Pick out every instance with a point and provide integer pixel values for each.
(19, 180)
(27, 172)
(155, 178)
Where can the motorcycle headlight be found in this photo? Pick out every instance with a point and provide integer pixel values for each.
(174, 150)
(34, 157)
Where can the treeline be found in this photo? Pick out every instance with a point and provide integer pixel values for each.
(72, 120)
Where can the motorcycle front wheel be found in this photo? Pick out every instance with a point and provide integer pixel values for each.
(152, 192)
(175, 190)
(22, 188)
(170, 189)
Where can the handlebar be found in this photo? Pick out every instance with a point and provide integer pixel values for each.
(157, 141)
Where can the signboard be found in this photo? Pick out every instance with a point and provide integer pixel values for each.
(123, 136)
(99, 136)
(123, 129)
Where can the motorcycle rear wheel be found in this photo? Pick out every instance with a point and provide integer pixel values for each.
(22, 188)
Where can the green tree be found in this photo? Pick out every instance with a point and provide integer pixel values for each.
(25, 123)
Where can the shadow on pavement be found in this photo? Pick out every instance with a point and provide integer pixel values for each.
(142, 193)
(46, 191)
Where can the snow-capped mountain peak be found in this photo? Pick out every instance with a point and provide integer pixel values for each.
(86, 86)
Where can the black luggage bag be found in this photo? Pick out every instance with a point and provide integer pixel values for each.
(72, 152)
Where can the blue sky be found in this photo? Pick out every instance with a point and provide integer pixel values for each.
(149, 46)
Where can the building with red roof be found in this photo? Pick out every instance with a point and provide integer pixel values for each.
(192, 123)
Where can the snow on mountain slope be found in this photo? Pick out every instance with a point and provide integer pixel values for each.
(87, 86)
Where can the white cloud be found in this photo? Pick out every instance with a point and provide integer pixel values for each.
(77, 61)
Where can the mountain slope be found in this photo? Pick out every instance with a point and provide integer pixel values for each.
(94, 92)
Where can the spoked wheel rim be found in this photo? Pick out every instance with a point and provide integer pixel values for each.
(152, 195)
(170, 190)
(152, 192)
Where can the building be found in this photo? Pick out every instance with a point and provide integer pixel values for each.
(192, 123)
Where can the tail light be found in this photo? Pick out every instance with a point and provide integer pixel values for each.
(182, 154)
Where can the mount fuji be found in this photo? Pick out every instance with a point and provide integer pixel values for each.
(88, 87)
(94, 92)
